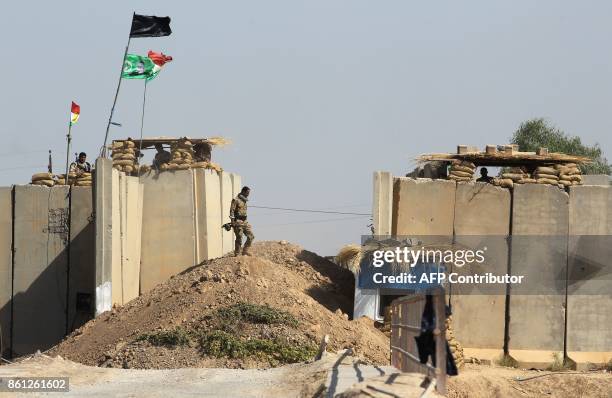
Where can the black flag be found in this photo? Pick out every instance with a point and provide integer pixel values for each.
(150, 26)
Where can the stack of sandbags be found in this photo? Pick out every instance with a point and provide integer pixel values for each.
(455, 347)
(207, 165)
(503, 182)
(569, 174)
(516, 174)
(124, 156)
(60, 179)
(546, 175)
(43, 179)
(182, 155)
(461, 170)
(142, 169)
(83, 180)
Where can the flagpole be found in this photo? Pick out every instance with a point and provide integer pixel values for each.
(68, 139)
(144, 101)
(110, 118)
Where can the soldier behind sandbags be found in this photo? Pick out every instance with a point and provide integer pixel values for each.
(484, 176)
(238, 215)
(161, 157)
(203, 152)
(81, 165)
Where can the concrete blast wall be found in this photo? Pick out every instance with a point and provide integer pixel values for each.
(81, 261)
(40, 267)
(6, 268)
(589, 316)
(481, 210)
(537, 322)
(126, 237)
(209, 217)
(181, 221)
(564, 235)
(227, 194)
(69, 253)
(423, 207)
(168, 227)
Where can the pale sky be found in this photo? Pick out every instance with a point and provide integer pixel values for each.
(316, 95)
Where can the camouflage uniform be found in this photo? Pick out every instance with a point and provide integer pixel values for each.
(238, 214)
(80, 168)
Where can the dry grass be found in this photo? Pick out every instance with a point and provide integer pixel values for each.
(350, 257)
(504, 159)
(218, 141)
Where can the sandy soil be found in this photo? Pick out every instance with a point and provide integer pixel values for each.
(476, 381)
(315, 291)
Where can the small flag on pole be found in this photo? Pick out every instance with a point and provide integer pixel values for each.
(75, 111)
(150, 26)
(139, 67)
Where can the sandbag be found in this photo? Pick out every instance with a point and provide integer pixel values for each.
(48, 182)
(216, 167)
(512, 176)
(565, 183)
(83, 183)
(575, 177)
(125, 156)
(547, 181)
(463, 163)
(459, 173)
(547, 176)
(547, 170)
(199, 165)
(128, 169)
(462, 168)
(457, 178)
(526, 181)
(504, 182)
(42, 176)
(123, 162)
(184, 166)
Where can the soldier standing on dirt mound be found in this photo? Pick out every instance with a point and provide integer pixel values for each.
(238, 215)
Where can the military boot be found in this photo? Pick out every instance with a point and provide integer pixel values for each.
(246, 251)
(236, 249)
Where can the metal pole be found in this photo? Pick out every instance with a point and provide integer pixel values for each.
(144, 101)
(110, 118)
(68, 139)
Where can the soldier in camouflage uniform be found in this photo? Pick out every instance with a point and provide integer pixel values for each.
(238, 215)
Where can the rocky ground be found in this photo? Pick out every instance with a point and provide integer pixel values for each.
(188, 321)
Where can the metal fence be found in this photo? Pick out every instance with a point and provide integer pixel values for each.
(406, 317)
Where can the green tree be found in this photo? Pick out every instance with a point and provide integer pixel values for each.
(536, 133)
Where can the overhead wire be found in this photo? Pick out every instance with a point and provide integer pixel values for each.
(314, 221)
(310, 210)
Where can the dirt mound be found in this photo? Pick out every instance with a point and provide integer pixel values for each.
(237, 312)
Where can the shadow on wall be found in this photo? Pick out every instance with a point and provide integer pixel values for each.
(53, 279)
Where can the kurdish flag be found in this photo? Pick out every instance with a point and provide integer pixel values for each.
(75, 112)
(139, 67)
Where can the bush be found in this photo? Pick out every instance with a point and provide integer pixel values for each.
(221, 344)
(174, 337)
(255, 313)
